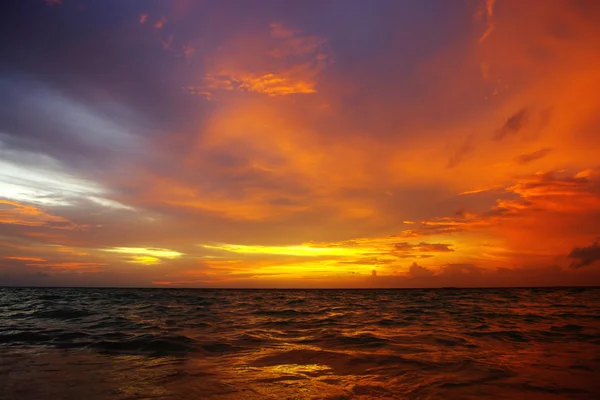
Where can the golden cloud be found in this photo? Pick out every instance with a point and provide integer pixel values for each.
(282, 63)
(143, 255)
(14, 213)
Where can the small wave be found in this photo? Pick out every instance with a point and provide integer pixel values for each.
(63, 314)
(369, 390)
(296, 301)
(196, 325)
(24, 337)
(156, 345)
(553, 389)
(250, 338)
(567, 328)
(457, 341)
(218, 347)
(51, 297)
(282, 313)
(335, 338)
(363, 340)
(506, 336)
(391, 322)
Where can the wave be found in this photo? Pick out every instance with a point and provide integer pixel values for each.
(152, 344)
(282, 313)
(507, 336)
(338, 339)
(63, 314)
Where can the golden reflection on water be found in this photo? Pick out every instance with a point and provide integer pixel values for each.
(293, 369)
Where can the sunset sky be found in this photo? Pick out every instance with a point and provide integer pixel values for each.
(325, 143)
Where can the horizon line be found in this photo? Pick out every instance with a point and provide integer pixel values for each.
(301, 288)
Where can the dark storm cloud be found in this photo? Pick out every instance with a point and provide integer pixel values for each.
(513, 124)
(529, 157)
(585, 256)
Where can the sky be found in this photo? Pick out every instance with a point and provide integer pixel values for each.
(307, 144)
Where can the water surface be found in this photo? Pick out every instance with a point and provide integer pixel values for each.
(297, 344)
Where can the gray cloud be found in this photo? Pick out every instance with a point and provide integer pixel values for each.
(514, 124)
(419, 271)
(82, 133)
(423, 247)
(585, 256)
(469, 275)
(529, 157)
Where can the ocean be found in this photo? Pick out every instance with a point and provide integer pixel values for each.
(82, 343)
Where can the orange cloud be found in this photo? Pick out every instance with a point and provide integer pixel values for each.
(530, 157)
(188, 51)
(69, 250)
(433, 247)
(25, 258)
(551, 214)
(143, 18)
(270, 84)
(160, 23)
(15, 213)
(283, 63)
(70, 266)
(489, 13)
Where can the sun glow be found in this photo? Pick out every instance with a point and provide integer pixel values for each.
(142, 255)
(301, 250)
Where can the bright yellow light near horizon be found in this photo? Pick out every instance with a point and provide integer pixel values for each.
(309, 268)
(297, 250)
(146, 260)
(146, 252)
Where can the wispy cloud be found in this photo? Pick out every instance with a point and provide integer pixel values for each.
(489, 19)
(160, 23)
(270, 84)
(514, 124)
(146, 256)
(530, 157)
(283, 63)
(188, 51)
(585, 256)
(28, 259)
(69, 266)
(14, 213)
